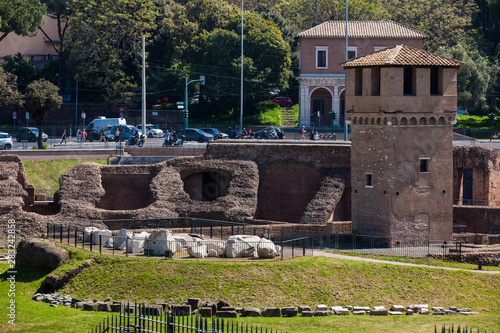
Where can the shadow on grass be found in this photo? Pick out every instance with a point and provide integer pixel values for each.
(24, 274)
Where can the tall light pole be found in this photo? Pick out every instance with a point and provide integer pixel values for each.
(241, 84)
(345, 76)
(144, 130)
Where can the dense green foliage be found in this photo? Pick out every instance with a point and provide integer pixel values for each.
(23, 17)
(106, 43)
(9, 95)
(202, 37)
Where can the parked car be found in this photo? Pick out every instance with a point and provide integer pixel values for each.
(215, 132)
(281, 101)
(194, 134)
(125, 132)
(29, 134)
(6, 142)
(151, 131)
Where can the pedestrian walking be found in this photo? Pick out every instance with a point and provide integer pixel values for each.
(63, 138)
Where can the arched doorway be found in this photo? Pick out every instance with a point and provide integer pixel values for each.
(321, 105)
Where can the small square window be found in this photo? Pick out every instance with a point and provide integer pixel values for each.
(369, 180)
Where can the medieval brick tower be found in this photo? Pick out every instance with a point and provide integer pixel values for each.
(402, 105)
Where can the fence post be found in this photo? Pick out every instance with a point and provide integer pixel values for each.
(100, 243)
(76, 236)
(54, 232)
(69, 229)
(48, 231)
(61, 233)
(304, 247)
(91, 241)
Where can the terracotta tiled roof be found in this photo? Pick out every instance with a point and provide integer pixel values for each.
(401, 55)
(362, 29)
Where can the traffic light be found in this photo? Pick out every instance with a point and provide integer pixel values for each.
(313, 118)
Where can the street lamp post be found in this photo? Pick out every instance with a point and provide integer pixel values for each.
(241, 83)
(345, 77)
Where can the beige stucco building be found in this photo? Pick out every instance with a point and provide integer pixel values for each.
(37, 48)
(402, 104)
(322, 50)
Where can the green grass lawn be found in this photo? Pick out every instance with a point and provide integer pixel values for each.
(302, 281)
(45, 174)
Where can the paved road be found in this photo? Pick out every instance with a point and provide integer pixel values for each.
(55, 144)
(324, 253)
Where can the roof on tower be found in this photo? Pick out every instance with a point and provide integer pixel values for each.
(362, 29)
(401, 55)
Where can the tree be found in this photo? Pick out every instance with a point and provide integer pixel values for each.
(22, 68)
(307, 14)
(22, 17)
(106, 43)
(41, 98)
(217, 55)
(61, 12)
(9, 95)
(447, 22)
(475, 78)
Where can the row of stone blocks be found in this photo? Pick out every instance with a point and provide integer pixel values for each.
(224, 309)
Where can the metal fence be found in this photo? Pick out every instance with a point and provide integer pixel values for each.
(457, 329)
(405, 247)
(295, 240)
(139, 318)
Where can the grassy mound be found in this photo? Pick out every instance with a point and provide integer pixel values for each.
(309, 281)
(301, 281)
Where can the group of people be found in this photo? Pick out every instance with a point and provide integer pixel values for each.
(312, 136)
(81, 136)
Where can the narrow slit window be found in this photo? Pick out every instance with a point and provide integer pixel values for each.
(321, 57)
(369, 180)
(424, 165)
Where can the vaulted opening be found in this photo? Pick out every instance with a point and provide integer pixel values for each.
(207, 186)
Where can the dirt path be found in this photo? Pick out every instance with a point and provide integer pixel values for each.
(324, 253)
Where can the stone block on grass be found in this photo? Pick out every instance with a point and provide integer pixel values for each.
(303, 308)
(321, 307)
(227, 314)
(251, 312)
(306, 313)
(194, 302)
(289, 311)
(104, 306)
(271, 312)
(206, 311)
(399, 308)
(89, 306)
(181, 310)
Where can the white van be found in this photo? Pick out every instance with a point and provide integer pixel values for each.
(101, 122)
